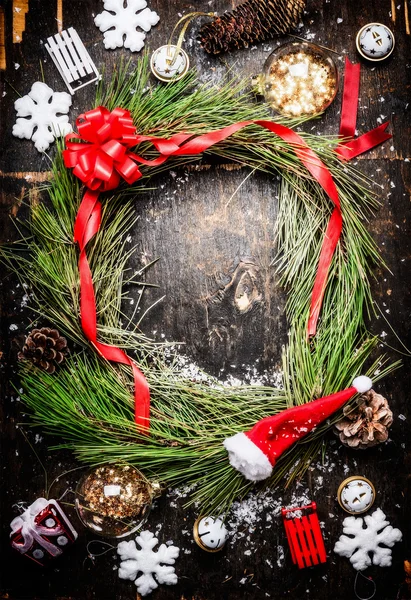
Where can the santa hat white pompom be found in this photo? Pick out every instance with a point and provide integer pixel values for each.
(245, 456)
(362, 384)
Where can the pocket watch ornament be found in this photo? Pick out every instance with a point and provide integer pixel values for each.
(367, 424)
(299, 79)
(114, 500)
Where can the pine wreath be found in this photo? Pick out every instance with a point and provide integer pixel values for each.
(90, 403)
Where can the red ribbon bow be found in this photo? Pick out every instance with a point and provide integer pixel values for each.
(103, 158)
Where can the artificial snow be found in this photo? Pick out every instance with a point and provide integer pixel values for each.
(147, 562)
(364, 541)
(47, 115)
(120, 24)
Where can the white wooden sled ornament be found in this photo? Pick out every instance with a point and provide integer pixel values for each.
(72, 59)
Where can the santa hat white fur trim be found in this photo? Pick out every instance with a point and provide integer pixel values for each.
(246, 457)
(362, 384)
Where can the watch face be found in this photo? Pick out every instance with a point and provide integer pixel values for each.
(357, 495)
(375, 41)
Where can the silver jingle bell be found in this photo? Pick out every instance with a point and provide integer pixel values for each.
(169, 63)
(210, 533)
(375, 42)
(356, 495)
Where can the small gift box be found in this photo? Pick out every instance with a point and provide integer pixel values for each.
(42, 531)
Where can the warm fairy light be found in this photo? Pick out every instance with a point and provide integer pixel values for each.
(300, 79)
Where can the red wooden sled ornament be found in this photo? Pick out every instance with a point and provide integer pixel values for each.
(304, 536)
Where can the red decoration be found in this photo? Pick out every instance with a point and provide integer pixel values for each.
(255, 452)
(42, 532)
(103, 158)
(350, 147)
(304, 535)
(346, 150)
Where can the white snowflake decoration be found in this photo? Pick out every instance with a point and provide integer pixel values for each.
(365, 541)
(147, 562)
(47, 112)
(124, 22)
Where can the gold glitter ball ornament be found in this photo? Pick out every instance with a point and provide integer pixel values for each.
(114, 500)
(299, 79)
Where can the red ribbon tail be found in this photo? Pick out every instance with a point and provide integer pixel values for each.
(87, 205)
(352, 148)
(330, 242)
(141, 388)
(350, 99)
(88, 222)
(88, 313)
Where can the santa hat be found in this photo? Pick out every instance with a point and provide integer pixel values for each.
(254, 453)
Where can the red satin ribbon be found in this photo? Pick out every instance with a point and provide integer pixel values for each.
(350, 148)
(346, 150)
(103, 158)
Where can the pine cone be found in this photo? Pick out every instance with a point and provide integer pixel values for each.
(367, 425)
(251, 22)
(44, 347)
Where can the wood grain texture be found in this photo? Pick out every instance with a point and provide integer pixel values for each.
(20, 8)
(222, 301)
(3, 60)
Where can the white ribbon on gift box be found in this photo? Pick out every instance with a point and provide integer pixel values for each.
(32, 531)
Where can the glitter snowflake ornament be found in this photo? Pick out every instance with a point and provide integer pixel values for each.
(377, 538)
(119, 23)
(147, 562)
(42, 115)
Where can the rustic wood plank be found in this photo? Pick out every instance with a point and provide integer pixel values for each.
(2, 39)
(20, 8)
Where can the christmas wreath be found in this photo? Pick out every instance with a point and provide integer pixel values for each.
(87, 400)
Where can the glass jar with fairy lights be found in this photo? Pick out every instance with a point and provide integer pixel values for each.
(299, 79)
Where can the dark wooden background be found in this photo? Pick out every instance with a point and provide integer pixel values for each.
(214, 250)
